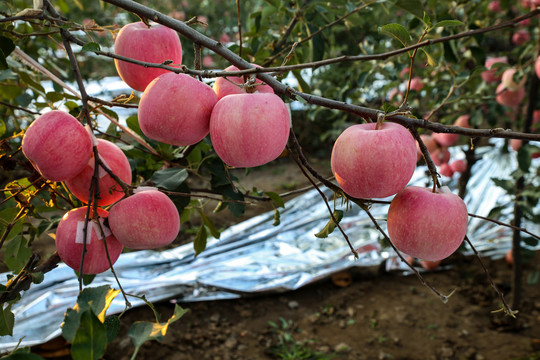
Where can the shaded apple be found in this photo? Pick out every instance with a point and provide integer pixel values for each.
(154, 44)
(446, 170)
(458, 166)
(147, 219)
(57, 145)
(490, 75)
(175, 109)
(430, 143)
(440, 156)
(109, 190)
(249, 130)
(69, 242)
(425, 224)
(374, 163)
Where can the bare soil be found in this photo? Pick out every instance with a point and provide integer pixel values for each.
(362, 314)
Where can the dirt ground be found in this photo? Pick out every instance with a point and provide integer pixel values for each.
(365, 314)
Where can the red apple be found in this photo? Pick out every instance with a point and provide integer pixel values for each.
(440, 156)
(425, 224)
(494, 6)
(371, 163)
(490, 76)
(249, 130)
(430, 265)
(154, 44)
(458, 166)
(537, 66)
(508, 97)
(232, 85)
(417, 83)
(445, 139)
(463, 121)
(109, 191)
(57, 145)
(520, 37)
(70, 237)
(146, 220)
(175, 109)
(446, 170)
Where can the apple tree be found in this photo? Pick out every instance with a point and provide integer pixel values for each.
(390, 83)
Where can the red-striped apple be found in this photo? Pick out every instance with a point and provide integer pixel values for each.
(109, 191)
(57, 145)
(69, 242)
(154, 44)
(374, 163)
(249, 130)
(425, 224)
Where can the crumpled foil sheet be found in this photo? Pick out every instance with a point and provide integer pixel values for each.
(255, 257)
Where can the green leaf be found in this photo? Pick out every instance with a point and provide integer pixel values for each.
(199, 244)
(427, 20)
(143, 331)
(6, 47)
(90, 339)
(275, 198)
(524, 159)
(507, 185)
(17, 253)
(170, 179)
(54, 96)
(302, 84)
(331, 225)
(133, 123)
(449, 23)
(112, 324)
(398, 31)
(91, 46)
(7, 320)
(209, 224)
(98, 299)
(2, 128)
(22, 354)
(414, 7)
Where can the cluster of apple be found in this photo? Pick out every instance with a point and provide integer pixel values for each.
(248, 125)
(378, 160)
(437, 145)
(61, 149)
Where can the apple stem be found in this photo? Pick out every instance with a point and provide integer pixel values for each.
(380, 120)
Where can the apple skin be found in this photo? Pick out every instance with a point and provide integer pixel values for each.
(446, 170)
(95, 259)
(370, 163)
(508, 97)
(494, 6)
(109, 191)
(175, 109)
(224, 87)
(427, 225)
(146, 220)
(490, 76)
(155, 45)
(417, 84)
(249, 130)
(520, 37)
(440, 156)
(57, 145)
(430, 265)
(458, 166)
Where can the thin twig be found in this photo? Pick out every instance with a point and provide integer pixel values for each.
(506, 307)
